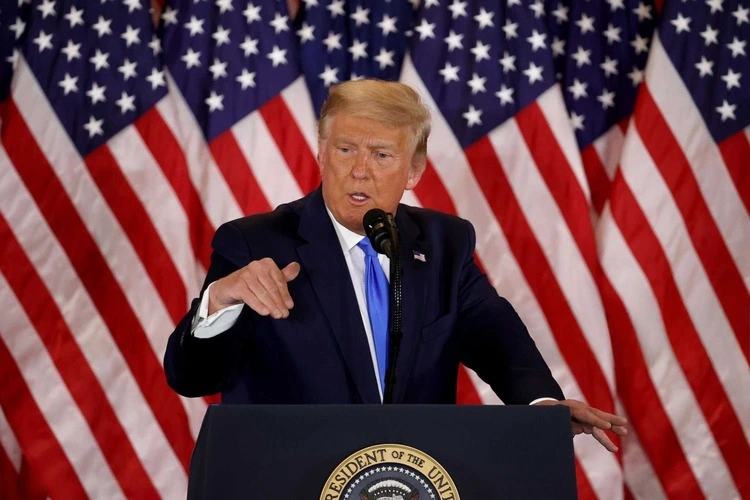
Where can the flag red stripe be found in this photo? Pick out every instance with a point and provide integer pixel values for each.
(707, 240)
(140, 230)
(681, 332)
(466, 393)
(48, 463)
(73, 367)
(539, 275)
(638, 395)
(171, 159)
(9, 478)
(585, 490)
(233, 165)
(91, 267)
(596, 176)
(736, 153)
(291, 143)
(432, 193)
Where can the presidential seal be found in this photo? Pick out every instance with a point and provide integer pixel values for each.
(389, 472)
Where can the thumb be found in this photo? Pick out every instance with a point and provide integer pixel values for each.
(291, 271)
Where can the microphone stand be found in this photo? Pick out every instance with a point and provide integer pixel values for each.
(395, 318)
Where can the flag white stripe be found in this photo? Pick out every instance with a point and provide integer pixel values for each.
(676, 396)
(8, 439)
(696, 291)
(297, 99)
(639, 475)
(91, 334)
(609, 148)
(54, 400)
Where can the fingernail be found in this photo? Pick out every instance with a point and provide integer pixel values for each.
(289, 304)
(276, 314)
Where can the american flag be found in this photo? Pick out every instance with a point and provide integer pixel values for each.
(601, 149)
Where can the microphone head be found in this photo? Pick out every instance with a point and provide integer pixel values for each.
(376, 223)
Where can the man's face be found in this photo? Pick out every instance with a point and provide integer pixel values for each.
(365, 164)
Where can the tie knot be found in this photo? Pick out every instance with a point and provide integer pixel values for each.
(366, 246)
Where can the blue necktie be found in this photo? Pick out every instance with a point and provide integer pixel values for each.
(376, 290)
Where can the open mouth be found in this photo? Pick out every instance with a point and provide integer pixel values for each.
(358, 198)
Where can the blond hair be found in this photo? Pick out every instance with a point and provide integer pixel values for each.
(391, 103)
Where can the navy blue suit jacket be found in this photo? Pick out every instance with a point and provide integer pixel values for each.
(320, 353)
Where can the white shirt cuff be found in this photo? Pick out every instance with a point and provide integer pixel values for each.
(205, 326)
(541, 399)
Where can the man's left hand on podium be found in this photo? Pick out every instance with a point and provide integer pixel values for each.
(588, 420)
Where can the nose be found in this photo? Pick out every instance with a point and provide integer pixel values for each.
(359, 170)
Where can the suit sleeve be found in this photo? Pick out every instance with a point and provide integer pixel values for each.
(494, 341)
(199, 367)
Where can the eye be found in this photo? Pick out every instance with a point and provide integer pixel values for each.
(383, 156)
(344, 149)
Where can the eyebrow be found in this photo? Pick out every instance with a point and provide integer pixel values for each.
(376, 145)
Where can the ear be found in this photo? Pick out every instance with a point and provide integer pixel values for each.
(319, 156)
(418, 165)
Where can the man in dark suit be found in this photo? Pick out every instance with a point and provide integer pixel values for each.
(288, 312)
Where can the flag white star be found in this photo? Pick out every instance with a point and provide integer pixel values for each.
(510, 29)
(473, 116)
(102, 26)
(99, 60)
(249, 46)
(716, 5)
(582, 56)
(214, 101)
(561, 13)
(333, 41)
(69, 84)
(127, 69)
(277, 56)
(388, 24)
(576, 121)
(337, 8)
(305, 33)
(251, 13)
(155, 45)
(732, 79)
(132, 5)
(221, 35)
(477, 84)
(425, 30)
(615, 4)
(705, 66)
(329, 76)
(558, 47)
(126, 103)
(191, 58)
(431, 3)
(484, 18)
(246, 79)
(13, 59)
(279, 23)
(505, 94)
(43, 41)
(454, 41)
(607, 98)
(681, 23)
(727, 110)
(458, 9)
(585, 23)
(74, 17)
(94, 127)
(169, 16)
(537, 40)
(609, 66)
(710, 35)
(612, 33)
(361, 16)
(480, 51)
(96, 93)
(385, 58)
(640, 44)
(195, 26)
(130, 36)
(742, 15)
(643, 11)
(449, 73)
(534, 73)
(538, 8)
(358, 49)
(47, 8)
(224, 6)
(309, 4)
(578, 89)
(156, 79)
(636, 76)
(72, 50)
(737, 47)
(508, 62)
(18, 27)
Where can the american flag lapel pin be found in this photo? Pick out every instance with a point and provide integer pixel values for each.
(419, 256)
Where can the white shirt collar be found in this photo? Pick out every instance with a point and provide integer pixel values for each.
(347, 238)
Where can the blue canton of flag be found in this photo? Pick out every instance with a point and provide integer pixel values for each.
(707, 42)
(14, 18)
(228, 57)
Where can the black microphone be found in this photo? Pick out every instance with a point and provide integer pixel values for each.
(380, 228)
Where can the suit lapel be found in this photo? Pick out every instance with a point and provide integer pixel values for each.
(324, 264)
